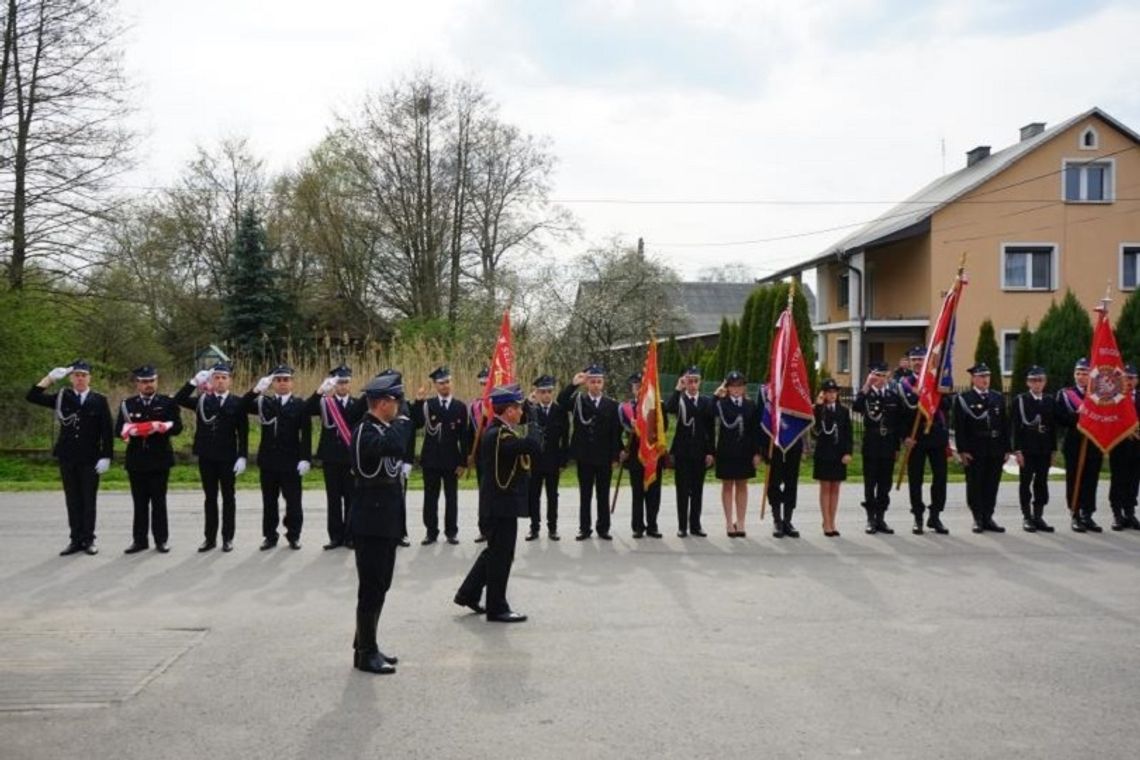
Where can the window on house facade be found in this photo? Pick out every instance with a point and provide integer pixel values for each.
(1129, 263)
(1008, 349)
(843, 355)
(1028, 267)
(842, 290)
(1088, 181)
(1089, 139)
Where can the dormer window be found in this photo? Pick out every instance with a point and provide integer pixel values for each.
(1089, 139)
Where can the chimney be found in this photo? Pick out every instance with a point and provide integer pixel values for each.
(977, 154)
(1032, 129)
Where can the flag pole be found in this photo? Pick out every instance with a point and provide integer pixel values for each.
(1074, 501)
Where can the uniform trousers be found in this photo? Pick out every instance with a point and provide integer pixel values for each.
(492, 568)
(338, 498)
(915, 469)
(1033, 484)
(538, 482)
(594, 480)
(80, 487)
(689, 473)
(433, 479)
(983, 476)
(878, 472)
(375, 564)
(276, 484)
(646, 502)
(218, 475)
(148, 492)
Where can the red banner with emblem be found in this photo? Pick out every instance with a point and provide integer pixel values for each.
(937, 374)
(648, 419)
(502, 369)
(1107, 413)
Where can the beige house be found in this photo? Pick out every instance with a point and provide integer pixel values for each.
(1058, 209)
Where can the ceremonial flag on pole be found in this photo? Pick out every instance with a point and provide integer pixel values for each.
(649, 420)
(1106, 415)
(786, 398)
(502, 369)
(937, 374)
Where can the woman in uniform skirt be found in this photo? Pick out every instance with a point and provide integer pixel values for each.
(832, 431)
(737, 449)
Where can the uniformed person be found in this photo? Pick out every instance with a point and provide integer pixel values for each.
(84, 447)
(736, 424)
(1124, 466)
(377, 519)
(783, 478)
(1034, 446)
(284, 454)
(146, 422)
(1068, 403)
(506, 455)
(475, 424)
(981, 432)
(221, 443)
(546, 468)
(693, 448)
(879, 405)
(443, 457)
(645, 503)
(831, 428)
(925, 446)
(595, 445)
(331, 400)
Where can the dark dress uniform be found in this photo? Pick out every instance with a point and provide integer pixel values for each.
(693, 440)
(221, 437)
(286, 440)
(595, 445)
(783, 482)
(645, 503)
(148, 463)
(445, 449)
(1124, 467)
(1069, 400)
(546, 467)
(833, 441)
(1035, 437)
(85, 437)
(336, 460)
(981, 429)
(507, 459)
(880, 447)
(377, 524)
(736, 425)
(930, 446)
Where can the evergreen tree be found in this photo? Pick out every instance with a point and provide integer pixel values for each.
(719, 364)
(987, 352)
(761, 334)
(1022, 358)
(730, 357)
(256, 312)
(1063, 336)
(744, 334)
(1128, 329)
(670, 359)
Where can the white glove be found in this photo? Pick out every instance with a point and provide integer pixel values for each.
(102, 466)
(303, 468)
(239, 466)
(131, 429)
(162, 426)
(263, 384)
(327, 385)
(59, 373)
(201, 378)
(406, 469)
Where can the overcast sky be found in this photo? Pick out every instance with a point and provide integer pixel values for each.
(820, 110)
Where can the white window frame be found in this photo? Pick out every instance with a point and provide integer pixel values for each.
(1120, 266)
(839, 357)
(1054, 265)
(1001, 351)
(1096, 139)
(1109, 191)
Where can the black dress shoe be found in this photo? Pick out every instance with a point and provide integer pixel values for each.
(638, 533)
(1042, 526)
(935, 524)
(294, 544)
(452, 540)
(391, 660)
(405, 541)
(207, 546)
(507, 617)
(653, 533)
(992, 526)
(332, 545)
(90, 549)
(1029, 525)
(473, 606)
(372, 662)
(698, 532)
(582, 536)
(227, 546)
(1133, 522)
(532, 535)
(428, 541)
(1078, 526)
(605, 536)
(479, 539)
(162, 548)
(978, 528)
(790, 530)
(72, 548)
(916, 529)
(350, 544)
(553, 536)
(682, 533)
(778, 529)
(135, 548)
(871, 528)
(882, 527)
(1090, 525)
(1119, 522)
(267, 544)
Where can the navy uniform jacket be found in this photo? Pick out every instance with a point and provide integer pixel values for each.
(555, 427)
(330, 447)
(153, 452)
(596, 437)
(981, 425)
(1034, 424)
(378, 451)
(221, 432)
(881, 411)
(695, 437)
(736, 440)
(1065, 413)
(939, 435)
(85, 432)
(832, 431)
(286, 432)
(506, 459)
(445, 433)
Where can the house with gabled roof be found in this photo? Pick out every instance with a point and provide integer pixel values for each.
(1058, 209)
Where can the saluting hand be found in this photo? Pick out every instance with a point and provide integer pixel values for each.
(721, 391)
(263, 384)
(421, 393)
(579, 378)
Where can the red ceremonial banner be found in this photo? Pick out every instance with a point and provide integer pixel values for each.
(1107, 414)
(502, 369)
(648, 419)
(936, 376)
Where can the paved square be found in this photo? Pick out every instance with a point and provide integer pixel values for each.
(965, 646)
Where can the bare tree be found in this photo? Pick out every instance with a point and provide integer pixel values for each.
(61, 130)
